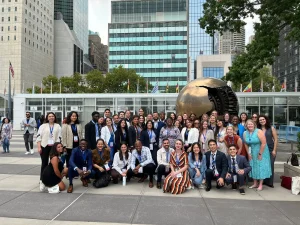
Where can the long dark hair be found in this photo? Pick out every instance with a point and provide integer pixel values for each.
(126, 153)
(53, 152)
(193, 153)
(149, 121)
(268, 123)
(68, 120)
(119, 129)
(46, 119)
(243, 113)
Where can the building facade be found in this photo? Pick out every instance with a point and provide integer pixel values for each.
(150, 36)
(26, 40)
(286, 66)
(232, 42)
(215, 66)
(200, 43)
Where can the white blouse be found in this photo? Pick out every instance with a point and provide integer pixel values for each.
(119, 164)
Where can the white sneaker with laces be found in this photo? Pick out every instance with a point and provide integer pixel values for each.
(31, 151)
(42, 186)
(54, 189)
(27, 153)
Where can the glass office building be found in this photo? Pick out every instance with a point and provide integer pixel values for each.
(150, 36)
(215, 72)
(200, 43)
(282, 107)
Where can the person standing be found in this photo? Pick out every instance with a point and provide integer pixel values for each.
(149, 139)
(170, 132)
(48, 134)
(128, 117)
(71, 134)
(256, 145)
(221, 132)
(206, 134)
(92, 131)
(121, 134)
(108, 135)
(6, 134)
(134, 132)
(189, 135)
(233, 139)
(272, 141)
(28, 124)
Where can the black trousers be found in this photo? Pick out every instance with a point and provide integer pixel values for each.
(209, 177)
(68, 156)
(161, 170)
(28, 139)
(240, 179)
(45, 158)
(149, 169)
(270, 181)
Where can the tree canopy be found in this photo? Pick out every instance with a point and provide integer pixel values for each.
(275, 16)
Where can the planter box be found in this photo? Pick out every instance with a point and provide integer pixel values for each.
(291, 171)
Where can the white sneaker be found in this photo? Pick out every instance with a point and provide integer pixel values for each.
(54, 189)
(42, 186)
(27, 153)
(31, 151)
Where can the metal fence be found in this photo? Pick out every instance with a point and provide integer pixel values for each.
(288, 133)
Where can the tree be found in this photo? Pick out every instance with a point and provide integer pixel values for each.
(73, 84)
(229, 15)
(95, 82)
(37, 90)
(47, 84)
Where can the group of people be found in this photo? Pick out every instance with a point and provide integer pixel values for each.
(189, 151)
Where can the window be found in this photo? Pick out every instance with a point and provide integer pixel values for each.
(8, 38)
(1, 28)
(8, 28)
(15, 18)
(16, 9)
(8, 18)
(8, 9)
(2, 36)
(15, 37)
(2, 19)
(2, 9)
(15, 28)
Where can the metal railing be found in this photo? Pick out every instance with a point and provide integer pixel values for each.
(288, 134)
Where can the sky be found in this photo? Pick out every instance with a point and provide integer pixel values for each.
(99, 17)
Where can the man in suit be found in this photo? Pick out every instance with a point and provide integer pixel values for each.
(238, 168)
(217, 165)
(157, 124)
(80, 164)
(92, 131)
(28, 124)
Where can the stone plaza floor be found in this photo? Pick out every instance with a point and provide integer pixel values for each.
(22, 203)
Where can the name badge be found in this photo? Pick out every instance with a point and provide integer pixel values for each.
(75, 138)
(140, 170)
(84, 169)
(97, 138)
(249, 149)
(50, 142)
(106, 167)
(151, 146)
(234, 178)
(111, 144)
(179, 175)
(167, 169)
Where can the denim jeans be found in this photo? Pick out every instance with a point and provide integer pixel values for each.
(196, 180)
(5, 145)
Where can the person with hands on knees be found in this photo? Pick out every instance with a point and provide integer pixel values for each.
(217, 166)
(100, 158)
(80, 164)
(197, 165)
(121, 163)
(48, 134)
(141, 164)
(163, 161)
(238, 168)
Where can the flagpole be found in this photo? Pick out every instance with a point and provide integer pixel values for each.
(60, 87)
(41, 87)
(9, 94)
(23, 88)
(51, 87)
(5, 99)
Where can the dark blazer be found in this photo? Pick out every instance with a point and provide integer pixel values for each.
(90, 134)
(98, 160)
(131, 136)
(77, 160)
(145, 138)
(221, 163)
(159, 126)
(120, 138)
(242, 163)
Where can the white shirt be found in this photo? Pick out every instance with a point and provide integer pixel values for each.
(119, 164)
(162, 156)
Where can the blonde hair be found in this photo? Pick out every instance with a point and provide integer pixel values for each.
(250, 121)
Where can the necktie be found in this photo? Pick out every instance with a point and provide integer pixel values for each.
(233, 166)
(213, 163)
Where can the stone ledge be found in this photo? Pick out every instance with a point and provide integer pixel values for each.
(291, 171)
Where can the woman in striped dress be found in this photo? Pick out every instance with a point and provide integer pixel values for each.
(178, 180)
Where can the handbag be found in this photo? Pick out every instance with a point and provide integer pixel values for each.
(103, 181)
(286, 182)
(294, 159)
(295, 185)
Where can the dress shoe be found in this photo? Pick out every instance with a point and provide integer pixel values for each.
(142, 179)
(84, 182)
(234, 186)
(70, 188)
(207, 189)
(158, 185)
(150, 184)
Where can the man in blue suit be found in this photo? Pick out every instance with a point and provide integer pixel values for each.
(80, 164)
(238, 168)
(157, 124)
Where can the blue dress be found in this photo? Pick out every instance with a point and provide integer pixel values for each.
(261, 169)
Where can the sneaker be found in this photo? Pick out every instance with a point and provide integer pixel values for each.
(31, 151)
(201, 186)
(27, 153)
(242, 191)
(42, 186)
(54, 189)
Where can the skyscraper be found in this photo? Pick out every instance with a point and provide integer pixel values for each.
(232, 42)
(200, 43)
(26, 39)
(150, 36)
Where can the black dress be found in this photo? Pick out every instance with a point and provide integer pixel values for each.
(49, 177)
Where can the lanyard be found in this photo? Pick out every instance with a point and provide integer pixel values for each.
(204, 137)
(250, 135)
(137, 132)
(97, 128)
(100, 153)
(167, 157)
(83, 156)
(139, 157)
(74, 128)
(197, 163)
(177, 160)
(150, 135)
(231, 142)
(51, 129)
(219, 134)
(124, 135)
(186, 135)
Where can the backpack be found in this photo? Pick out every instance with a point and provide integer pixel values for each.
(103, 181)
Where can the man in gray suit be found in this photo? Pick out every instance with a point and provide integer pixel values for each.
(28, 124)
(238, 168)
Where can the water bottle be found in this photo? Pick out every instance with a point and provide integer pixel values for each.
(124, 181)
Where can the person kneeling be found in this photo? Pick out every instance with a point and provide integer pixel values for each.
(121, 163)
(163, 160)
(141, 164)
(101, 158)
(238, 168)
(80, 164)
(53, 174)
